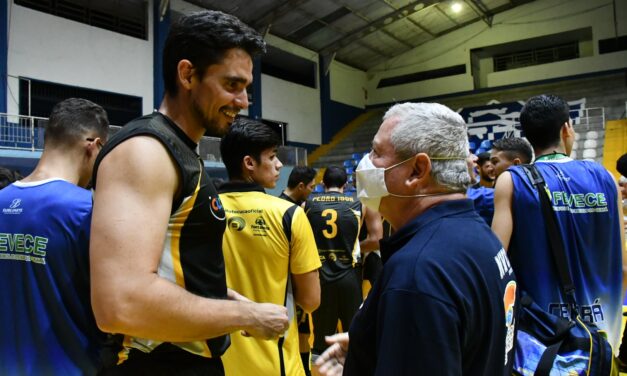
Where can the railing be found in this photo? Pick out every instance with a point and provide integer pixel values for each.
(27, 133)
(22, 132)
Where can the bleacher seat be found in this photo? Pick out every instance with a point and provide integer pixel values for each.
(349, 170)
(589, 154)
(575, 145)
(592, 135)
(318, 188)
(486, 144)
(348, 163)
(573, 154)
(472, 146)
(590, 144)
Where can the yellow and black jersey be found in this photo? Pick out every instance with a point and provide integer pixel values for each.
(335, 220)
(266, 240)
(192, 251)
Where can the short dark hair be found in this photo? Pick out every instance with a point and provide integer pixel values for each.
(514, 147)
(7, 176)
(72, 118)
(203, 38)
(334, 177)
(542, 118)
(621, 165)
(482, 158)
(246, 137)
(300, 174)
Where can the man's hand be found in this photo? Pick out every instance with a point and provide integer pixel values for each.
(269, 321)
(331, 362)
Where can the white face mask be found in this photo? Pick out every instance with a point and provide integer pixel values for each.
(371, 186)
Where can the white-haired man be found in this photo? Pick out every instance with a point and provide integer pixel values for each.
(444, 304)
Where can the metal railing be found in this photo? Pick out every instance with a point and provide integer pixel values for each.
(22, 132)
(27, 133)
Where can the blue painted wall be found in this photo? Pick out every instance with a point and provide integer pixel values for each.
(335, 115)
(161, 28)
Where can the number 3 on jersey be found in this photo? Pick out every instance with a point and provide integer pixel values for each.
(331, 215)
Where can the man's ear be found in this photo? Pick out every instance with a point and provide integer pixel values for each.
(421, 169)
(185, 73)
(249, 163)
(516, 161)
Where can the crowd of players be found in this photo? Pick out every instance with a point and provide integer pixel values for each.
(159, 271)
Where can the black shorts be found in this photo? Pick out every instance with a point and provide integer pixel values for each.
(165, 360)
(302, 318)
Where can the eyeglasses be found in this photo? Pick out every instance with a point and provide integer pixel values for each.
(93, 139)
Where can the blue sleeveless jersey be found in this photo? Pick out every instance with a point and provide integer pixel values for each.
(47, 323)
(584, 196)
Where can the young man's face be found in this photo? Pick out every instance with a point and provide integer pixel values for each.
(306, 189)
(500, 161)
(220, 94)
(266, 171)
(486, 170)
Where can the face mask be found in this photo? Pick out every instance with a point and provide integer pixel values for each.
(371, 186)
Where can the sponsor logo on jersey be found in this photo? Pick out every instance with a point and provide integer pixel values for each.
(236, 223)
(14, 207)
(216, 208)
(509, 300)
(260, 228)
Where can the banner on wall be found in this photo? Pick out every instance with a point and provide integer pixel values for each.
(496, 120)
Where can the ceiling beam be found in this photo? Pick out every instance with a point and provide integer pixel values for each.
(375, 25)
(437, 6)
(389, 34)
(269, 17)
(411, 20)
(481, 10)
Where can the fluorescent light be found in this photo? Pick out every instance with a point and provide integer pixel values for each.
(456, 7)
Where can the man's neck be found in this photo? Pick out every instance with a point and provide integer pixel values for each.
(486, 183)
(177, 110)
(556, 149)
(56, 165)
(406, 212)
(334, 189)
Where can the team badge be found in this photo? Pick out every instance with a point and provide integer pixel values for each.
(216, 208)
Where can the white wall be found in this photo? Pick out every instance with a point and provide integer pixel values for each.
(295, 104)
(55, 49)
(348, 85)
(535, 19)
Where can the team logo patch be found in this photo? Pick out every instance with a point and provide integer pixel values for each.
(14, 207)
(216, 208)
(236, 223)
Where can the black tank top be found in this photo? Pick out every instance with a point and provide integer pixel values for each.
(192, 253)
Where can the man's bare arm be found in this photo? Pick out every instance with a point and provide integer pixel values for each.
(375, 231)
(621, 226)
(135, 188)
(307, 290)
(503, 221)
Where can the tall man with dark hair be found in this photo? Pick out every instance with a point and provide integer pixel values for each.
(585, 200)
(269, 249)
(49, 327)
(509, 151)
(336, 220)
(300, 184)
(162, 285)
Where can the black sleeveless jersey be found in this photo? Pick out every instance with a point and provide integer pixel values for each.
(192, 251)
(335, 220)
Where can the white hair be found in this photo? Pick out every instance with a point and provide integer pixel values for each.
(439, 132)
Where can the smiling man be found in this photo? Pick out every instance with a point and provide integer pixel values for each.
(269, 248)
(158, 277)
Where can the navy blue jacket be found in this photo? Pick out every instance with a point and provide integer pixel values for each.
(444, 304)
